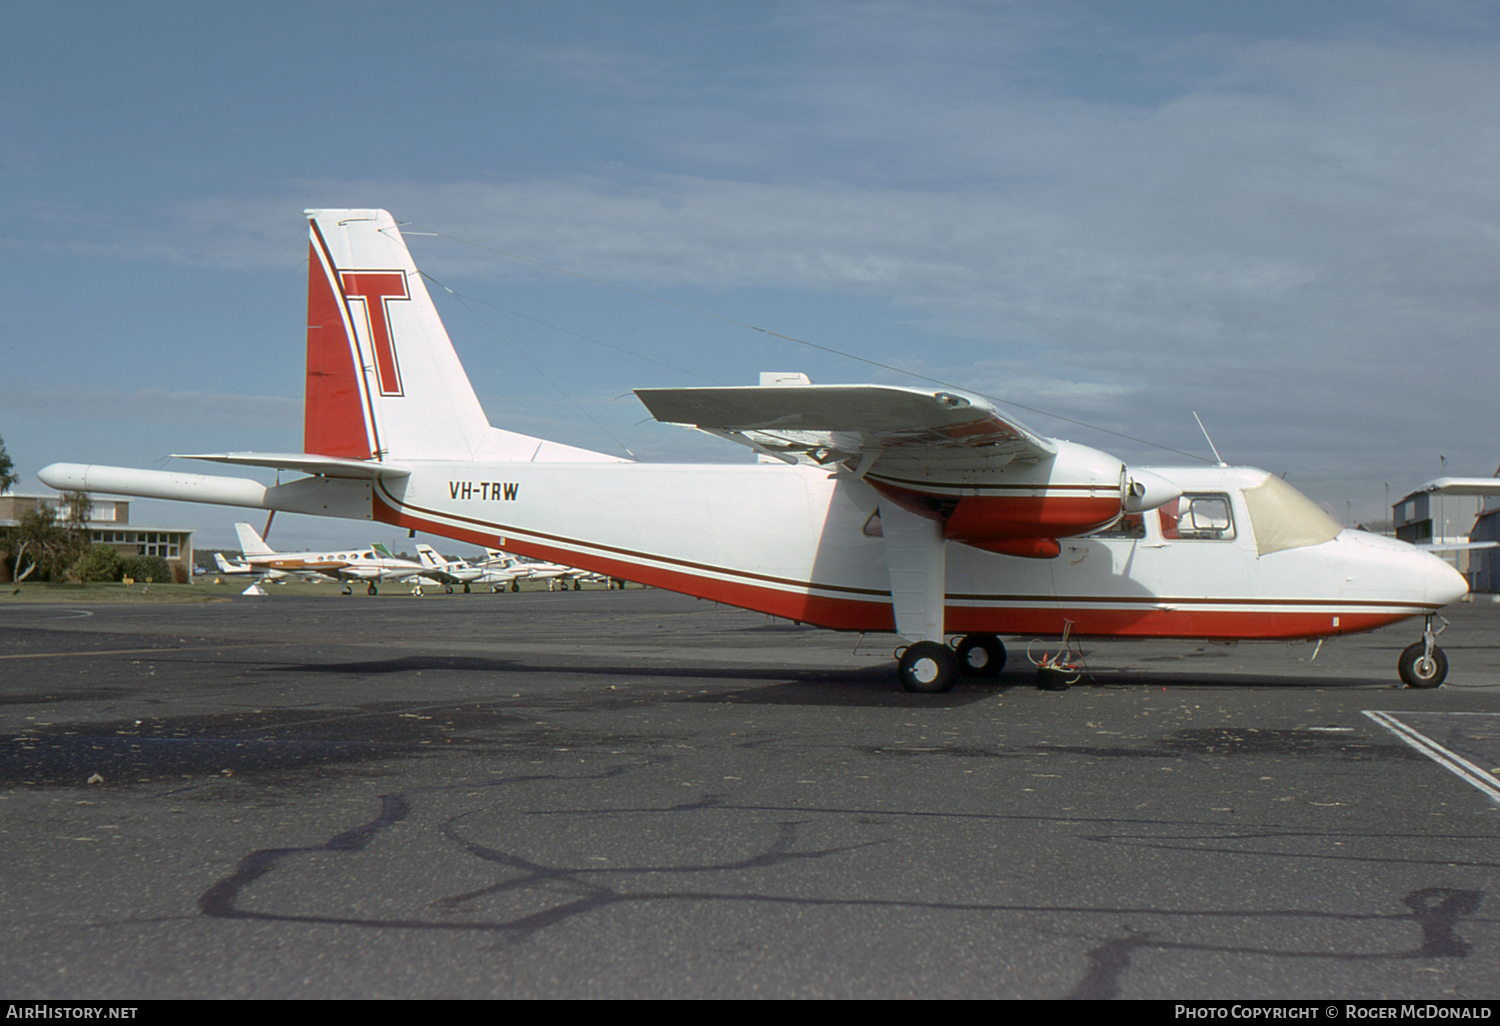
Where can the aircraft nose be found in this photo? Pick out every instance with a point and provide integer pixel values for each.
(1443, 583)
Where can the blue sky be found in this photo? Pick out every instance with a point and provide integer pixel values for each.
(1282, 215)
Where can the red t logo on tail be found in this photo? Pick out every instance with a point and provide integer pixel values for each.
(374, 289)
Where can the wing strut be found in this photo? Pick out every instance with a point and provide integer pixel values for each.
(915, 556)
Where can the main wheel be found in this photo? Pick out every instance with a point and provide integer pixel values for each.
(370, 589)
(1418, 671)
(980, 655)
(928, 667)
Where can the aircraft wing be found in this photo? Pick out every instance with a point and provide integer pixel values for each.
(1455, 546)
(356, 573)
(307, 463)
(1461, 486)
(826, 424)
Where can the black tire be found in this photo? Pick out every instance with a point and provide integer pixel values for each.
(371, 590)
(515, 585)
(928, 667)
(980, 655)
(1417, 672)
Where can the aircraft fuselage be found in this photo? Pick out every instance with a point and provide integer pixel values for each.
(803, 543)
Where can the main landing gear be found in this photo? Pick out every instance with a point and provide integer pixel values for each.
(1422, 663)
(930, 667)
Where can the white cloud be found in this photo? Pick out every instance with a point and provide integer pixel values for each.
(1293, 233)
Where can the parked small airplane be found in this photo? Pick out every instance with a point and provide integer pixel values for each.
(230, 568)
(927, 513)
(240, 568)
(449, 572)
(555, 574)
(346, 565)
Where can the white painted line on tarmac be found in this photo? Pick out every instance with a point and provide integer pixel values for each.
(1451, 761)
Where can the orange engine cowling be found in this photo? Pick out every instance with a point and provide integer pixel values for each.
(1013, 525)
(1029, 548)
(1028, 525)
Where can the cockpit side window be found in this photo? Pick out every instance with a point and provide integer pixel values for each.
(1198, 516)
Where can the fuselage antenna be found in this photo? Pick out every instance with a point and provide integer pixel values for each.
(1210, 441)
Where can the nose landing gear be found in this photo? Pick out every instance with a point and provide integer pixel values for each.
(1422, 663)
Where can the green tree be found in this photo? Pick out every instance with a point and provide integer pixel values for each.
(77, 508)
(101, 563)
(7, 475)
(146, 569)
(44, 549)
(35, 544)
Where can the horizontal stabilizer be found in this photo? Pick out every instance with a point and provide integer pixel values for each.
(328, 466)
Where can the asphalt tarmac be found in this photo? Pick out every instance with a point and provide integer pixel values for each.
(634, 794)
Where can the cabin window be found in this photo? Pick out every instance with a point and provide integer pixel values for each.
(1197, 517)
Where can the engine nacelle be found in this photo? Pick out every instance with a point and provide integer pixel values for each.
(1145, 490)
(1020, 509)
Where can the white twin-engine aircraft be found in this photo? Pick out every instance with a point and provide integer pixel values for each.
(369, 566)
(872, 508)
(449, 572)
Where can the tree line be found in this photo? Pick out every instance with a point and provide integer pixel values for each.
(51, 543)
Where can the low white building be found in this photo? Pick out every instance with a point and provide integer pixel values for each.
(109, 524)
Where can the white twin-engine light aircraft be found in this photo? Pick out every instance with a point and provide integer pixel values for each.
(873, 508)
(370, 566)
(449, 572)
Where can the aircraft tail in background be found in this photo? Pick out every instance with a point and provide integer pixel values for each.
(252, 544)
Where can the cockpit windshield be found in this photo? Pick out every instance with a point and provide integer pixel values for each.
(1284, 518)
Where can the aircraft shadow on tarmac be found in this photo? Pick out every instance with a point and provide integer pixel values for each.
(873, 685)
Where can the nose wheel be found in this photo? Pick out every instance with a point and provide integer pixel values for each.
(1422, 663)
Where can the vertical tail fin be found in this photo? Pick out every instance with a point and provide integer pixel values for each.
(383, 380)
(251, 544)
(382, 376)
